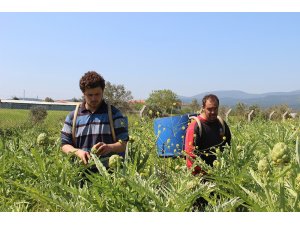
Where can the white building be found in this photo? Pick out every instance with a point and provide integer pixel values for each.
(21, 104)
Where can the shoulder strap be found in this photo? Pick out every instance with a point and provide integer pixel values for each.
(74, 124)
(222, 123)
(111, 122)
(200, 125)
(198, 122)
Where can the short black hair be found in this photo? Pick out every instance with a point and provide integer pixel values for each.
(210, 96)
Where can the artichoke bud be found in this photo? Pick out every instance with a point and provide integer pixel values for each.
(280, 153)
(297, 182)
(263, 166)
(42, 139)
(114, 161)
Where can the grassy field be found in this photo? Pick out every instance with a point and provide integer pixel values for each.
(11, 118)
(260, 172)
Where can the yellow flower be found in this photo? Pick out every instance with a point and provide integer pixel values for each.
(177, 167)
(239, 148)
(131, 139)
(216, 164)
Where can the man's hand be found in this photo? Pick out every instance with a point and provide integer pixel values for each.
(102, 148)
(83, 155)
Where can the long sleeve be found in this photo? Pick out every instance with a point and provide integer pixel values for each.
(190, 147)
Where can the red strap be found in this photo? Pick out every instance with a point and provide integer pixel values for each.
(190, 147)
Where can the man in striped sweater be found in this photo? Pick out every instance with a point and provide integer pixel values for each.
(92, 125)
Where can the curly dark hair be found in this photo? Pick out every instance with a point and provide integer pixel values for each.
(210, 96)
(91, 79)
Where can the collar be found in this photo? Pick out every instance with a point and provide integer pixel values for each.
(101, 109)
(206, 121)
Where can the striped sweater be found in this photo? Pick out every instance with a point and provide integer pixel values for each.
(92, 128)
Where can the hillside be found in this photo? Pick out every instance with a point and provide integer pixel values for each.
(232, 97)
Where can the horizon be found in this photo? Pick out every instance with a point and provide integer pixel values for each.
(180, 96)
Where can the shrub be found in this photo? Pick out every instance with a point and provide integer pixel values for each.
(37, 114)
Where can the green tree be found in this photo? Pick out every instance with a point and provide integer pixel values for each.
(37, 114)
(241, 110)
(137, 106)
(48, 99)
(165, 100)
(77, 99)
(118, 96)
(195, 106)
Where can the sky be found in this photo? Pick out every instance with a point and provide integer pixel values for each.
(44, 54)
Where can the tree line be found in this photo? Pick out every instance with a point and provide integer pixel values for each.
(165, 103)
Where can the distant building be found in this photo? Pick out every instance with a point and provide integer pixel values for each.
(21, 104)
(137, 102)
(293, 115)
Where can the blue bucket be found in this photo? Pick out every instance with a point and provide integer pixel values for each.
(170, 135)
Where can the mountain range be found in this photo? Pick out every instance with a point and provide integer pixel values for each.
(232, 97)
